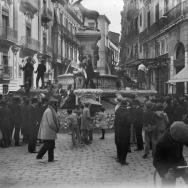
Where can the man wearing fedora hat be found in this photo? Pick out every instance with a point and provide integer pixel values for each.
(41, 69)
(48, 130)
(28, 71)
(122, 124)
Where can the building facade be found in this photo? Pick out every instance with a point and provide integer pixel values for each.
(37, 29)
(160, 41)
(65, 45)
(114, 50)
(45, 29)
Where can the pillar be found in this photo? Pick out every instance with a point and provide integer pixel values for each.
(172, 72)
(186, 64)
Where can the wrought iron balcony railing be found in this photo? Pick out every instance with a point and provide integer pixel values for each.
(29, 7)
(30, 43)
(8, 34)
(170, 17)
(68, 35)
(62, 2)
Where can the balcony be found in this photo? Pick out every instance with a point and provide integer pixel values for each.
(62, 2)
(69, 36)
(172, 16)
(29, 46)
(46, 16)
(6, 73)
(8, 36)
(29, 7)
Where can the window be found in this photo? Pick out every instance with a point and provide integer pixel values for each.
(162, 47)
(66, 23)
(75, 54)
(5, 89)
(157, 49)
(5, 59)
(157, 12)
(136, 24)
(71, 53)
(91, 25)
(140, 48)
(166, 5)
(5, 25)
(61, 19)
(141, 20)
(148, 19)
(28, 33)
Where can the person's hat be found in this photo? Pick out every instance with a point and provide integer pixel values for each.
(136, 102)
(179, 131)
(124, 102)
(149, 104)
(16, 97)
(43, 60)
(52, 99)
(119, 98)
(3, 101)
(34, 99)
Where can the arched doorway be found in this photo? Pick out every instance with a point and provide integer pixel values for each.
(179, 64)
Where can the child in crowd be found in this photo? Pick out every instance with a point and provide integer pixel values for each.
(73, 124)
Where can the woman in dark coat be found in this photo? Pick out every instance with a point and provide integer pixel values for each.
(122, 125)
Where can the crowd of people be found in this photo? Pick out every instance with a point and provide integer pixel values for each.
(164, 122)
(154, 125)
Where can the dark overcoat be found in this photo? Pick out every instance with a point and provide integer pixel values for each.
(168, 154)
(122, 124)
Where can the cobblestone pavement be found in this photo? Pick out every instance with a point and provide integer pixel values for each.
(90, 166)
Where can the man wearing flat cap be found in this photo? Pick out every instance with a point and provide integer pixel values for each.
(168, 158)
(49, 127)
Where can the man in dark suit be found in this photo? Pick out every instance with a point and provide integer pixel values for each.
(40, 73)
(168, 156)
(28, 72)
(122, 126)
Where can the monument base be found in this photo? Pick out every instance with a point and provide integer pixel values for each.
(103, 81)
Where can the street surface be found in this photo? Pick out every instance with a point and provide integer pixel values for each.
(89, 166)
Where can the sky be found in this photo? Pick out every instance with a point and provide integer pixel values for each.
(111, 8)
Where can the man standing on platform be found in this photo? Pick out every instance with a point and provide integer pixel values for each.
(28, 72)
(40, 73)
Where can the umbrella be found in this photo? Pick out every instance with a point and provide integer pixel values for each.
(91, 101)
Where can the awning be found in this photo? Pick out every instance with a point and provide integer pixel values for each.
(182, 76)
